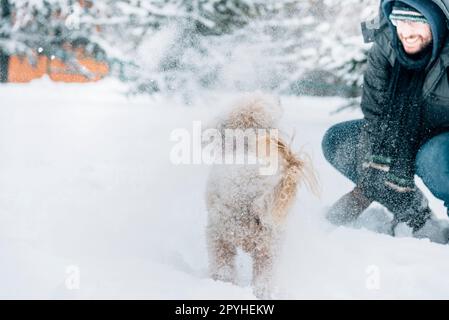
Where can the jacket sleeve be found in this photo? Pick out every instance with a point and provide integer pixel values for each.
(375, 84)
(374, 100)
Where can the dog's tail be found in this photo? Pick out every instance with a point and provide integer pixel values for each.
(298, 170)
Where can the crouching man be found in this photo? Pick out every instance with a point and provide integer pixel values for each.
(405, 130)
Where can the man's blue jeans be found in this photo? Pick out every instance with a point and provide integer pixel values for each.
(432, 162)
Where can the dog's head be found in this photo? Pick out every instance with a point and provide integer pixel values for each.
(253, 111)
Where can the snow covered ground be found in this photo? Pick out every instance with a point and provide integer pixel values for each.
(91, 207)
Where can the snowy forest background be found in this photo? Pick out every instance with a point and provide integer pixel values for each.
(298, 47)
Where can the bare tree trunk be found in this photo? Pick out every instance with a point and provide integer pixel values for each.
(4, 57)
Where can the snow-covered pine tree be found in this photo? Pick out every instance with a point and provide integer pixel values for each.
(342, 52)
(317, 45)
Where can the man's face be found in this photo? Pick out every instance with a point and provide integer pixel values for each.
(414, 36)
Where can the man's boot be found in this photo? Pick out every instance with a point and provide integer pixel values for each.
(348, 208)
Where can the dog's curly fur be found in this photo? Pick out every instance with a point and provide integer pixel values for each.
(247, 210)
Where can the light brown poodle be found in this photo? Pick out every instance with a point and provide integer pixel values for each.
(247, 209)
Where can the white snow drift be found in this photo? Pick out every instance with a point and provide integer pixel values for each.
(91, 207)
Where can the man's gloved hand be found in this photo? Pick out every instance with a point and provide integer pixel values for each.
(403, 199)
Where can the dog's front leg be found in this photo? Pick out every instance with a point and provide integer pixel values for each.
(262, 271)
(222, 260)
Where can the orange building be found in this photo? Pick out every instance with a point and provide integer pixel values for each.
(21, 70)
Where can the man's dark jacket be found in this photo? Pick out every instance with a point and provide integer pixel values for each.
(381, 59)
